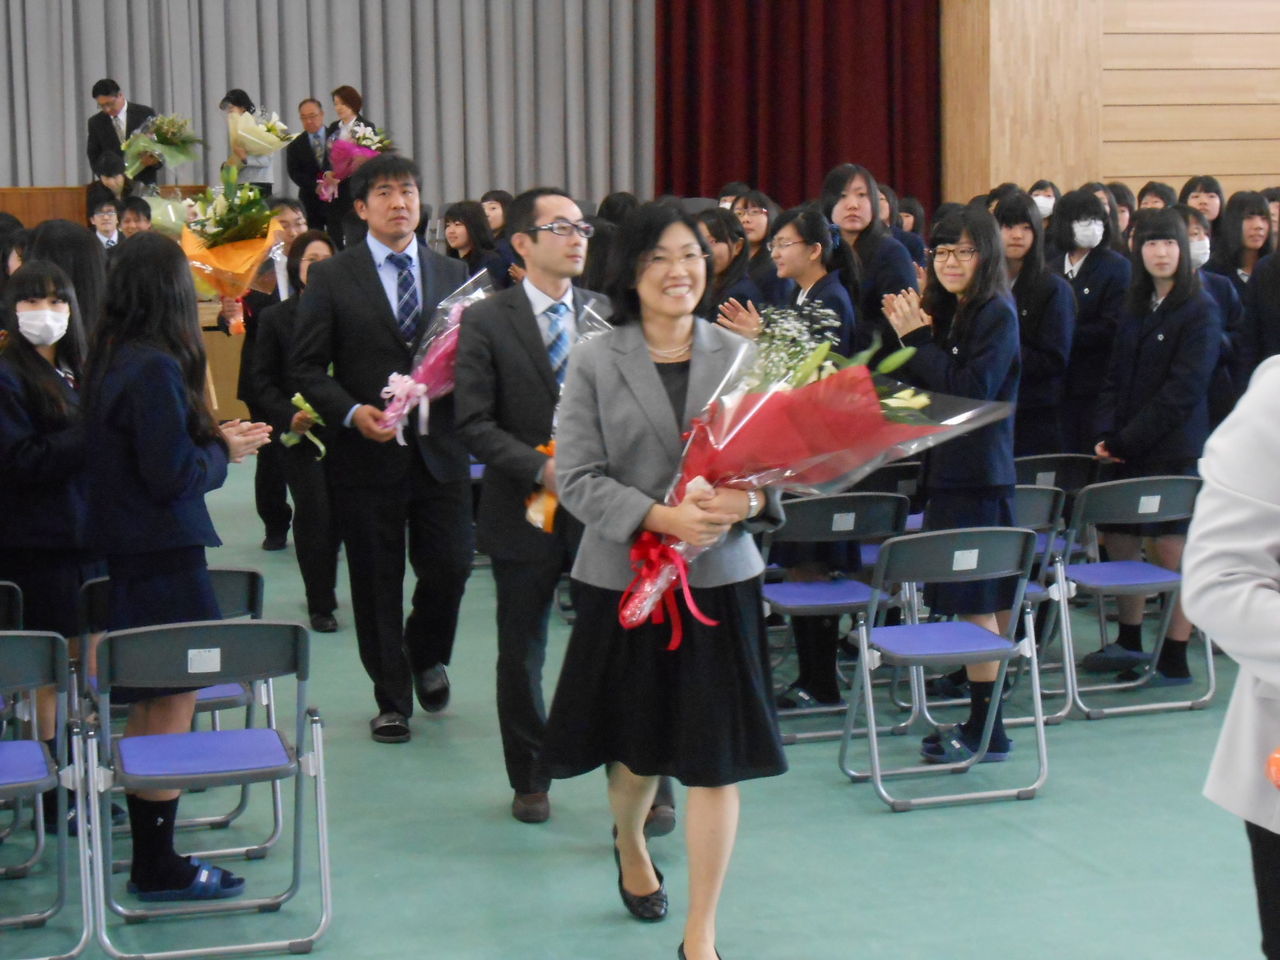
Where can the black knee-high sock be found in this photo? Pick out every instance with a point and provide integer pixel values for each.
(980, 692)
(816, 641)
(1130, 636)
(49, 799)
(156, 865)
(1173, 659)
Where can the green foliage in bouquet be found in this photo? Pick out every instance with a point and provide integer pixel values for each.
(239, 213)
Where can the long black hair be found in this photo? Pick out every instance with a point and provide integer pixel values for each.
(915, 208)
(1082, 204)
(77, 251)
(1012, 211)
(46, 392)
(834, 184)
(640, 233)
(1163, 224)
(471, 215)
(151, 300)
(813, 227)
(1046, 185)
(726, 228)
(757, 198)
(1228, 241)
(503, 199)
(952, 313)
(293, 265)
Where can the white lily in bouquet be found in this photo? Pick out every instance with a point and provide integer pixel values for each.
(258, 134)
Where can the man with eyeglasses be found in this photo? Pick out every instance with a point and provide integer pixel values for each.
(306, 157)
(106, 222)
(113, 124)
(513, 353)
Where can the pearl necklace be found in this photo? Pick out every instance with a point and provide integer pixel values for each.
(674, 353)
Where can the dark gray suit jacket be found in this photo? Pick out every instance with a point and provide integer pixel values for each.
(618, 445)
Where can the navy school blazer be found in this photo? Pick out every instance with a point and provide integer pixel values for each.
(146, 476)
(886, 269)
(913, 242)
(830, 292)
(1260, 336)
(1046, 326)
(1100, 286)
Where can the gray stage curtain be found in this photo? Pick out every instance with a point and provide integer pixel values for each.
(482, 93)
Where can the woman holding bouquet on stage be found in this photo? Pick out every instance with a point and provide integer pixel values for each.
(965, 332)
(251, 168)
(701, 712)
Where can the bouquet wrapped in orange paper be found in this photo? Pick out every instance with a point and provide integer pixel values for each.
(230, 236)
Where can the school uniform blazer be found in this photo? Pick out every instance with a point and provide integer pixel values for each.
(745, 291)
(345, 319)
(1229, 273)
(1231, 589)
(983, 363)
(1229, 380)
(102, 137)
(1260, 336)
(1100, 286)
(887, 268)
(830, 292)
(1154, 403)
(913, 243)
(618, 446)
(1046, 326)
(40, 473)
(504, 405)
(146, 477)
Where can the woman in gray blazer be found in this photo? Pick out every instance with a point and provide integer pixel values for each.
(702, 712)
(1231, 589)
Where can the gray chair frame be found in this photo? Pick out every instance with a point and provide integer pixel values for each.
(1129, 502)
(28, 660)
(248, 651)
(10, 619)
(931, 558)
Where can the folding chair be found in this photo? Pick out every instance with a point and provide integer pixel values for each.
(186, 655)
(842, 517)
(945, 556)
(1070, 473)
(1136, 501)
(902, 477)
(29, 660)
(10, 619)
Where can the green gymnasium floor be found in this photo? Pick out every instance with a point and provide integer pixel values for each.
(1118, 857)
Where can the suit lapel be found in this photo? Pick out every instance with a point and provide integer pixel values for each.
(636, 369)
(524, 326)
(366, 277)
(711, 360)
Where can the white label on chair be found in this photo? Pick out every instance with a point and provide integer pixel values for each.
(1149, 504)
(842, 521)
(964, 560)
(1046, 479)
(204, 661)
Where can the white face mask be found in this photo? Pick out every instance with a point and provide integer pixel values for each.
(43, 327)
(1087, 233)
(1043, 204)
(1199, 252)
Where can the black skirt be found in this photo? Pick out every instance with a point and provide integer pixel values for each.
(949, 509)
(150, 589)
(702, 713)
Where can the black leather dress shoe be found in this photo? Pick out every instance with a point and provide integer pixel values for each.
(275, 541)
(390, 727)
(531, 807)
(660, 820)
(432, 687)
(680, 953)
(651, 907)
(324, 623)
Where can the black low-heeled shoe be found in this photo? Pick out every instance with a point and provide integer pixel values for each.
(680, 953)
(651, 907)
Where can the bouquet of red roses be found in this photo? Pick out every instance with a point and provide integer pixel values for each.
(813, 425)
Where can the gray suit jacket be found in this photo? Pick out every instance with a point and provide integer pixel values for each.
(618, 446)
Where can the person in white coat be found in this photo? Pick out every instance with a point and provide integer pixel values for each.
(1231, 589)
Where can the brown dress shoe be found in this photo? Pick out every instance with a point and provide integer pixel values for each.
(531, 807)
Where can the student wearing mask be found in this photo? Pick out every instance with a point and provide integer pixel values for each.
(1046, 324)
(1116, 234)
(1153, 419)
(1099, 277)
(731, 280)
(1205, 194)
(757, 213)
(1045, 193)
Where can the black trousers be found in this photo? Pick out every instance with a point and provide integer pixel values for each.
(315, 528)
(270, 489)
(375, 523)
(525, 592)
(1265, 847)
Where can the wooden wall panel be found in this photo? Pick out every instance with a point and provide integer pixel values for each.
(966, 83)
(1176, 86)
(1229, 184)
(1249, 121)
(1188, 16)
(1136, 51)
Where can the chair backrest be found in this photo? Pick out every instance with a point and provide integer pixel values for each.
(842, 516)
(94, 595)
(30, 658)
(901, 477)
(10, 606)
(1066, 471)
(1038, 508)
(239, 591)
(1138, 500)
(950, 556)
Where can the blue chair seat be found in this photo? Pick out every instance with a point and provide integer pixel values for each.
(1035, 593)
(477, 472)
(1059, 544)
(915, 522)
(233, 694)
(1122, 575)
(870, 553)
(206, 757)
(25, 768)
(801, 598)
(928, 644)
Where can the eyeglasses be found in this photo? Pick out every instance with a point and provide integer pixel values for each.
(962, 254)
(664, 262)
(773, 245)
(744, 212)
(106, 214)
(565, 228)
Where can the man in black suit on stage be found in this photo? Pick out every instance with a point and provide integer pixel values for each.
(364, 311)
(306, 157)
(115, 120)
(512, 355)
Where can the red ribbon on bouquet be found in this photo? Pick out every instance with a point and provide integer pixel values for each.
(650, 555)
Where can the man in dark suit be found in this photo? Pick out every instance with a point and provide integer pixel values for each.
(306, 157)
(512, 355)
(112, 125)
(364, 311)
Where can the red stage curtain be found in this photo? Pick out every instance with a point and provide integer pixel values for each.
(776, 92)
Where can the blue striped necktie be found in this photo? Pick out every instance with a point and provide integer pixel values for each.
(558, 340)
(407, 306)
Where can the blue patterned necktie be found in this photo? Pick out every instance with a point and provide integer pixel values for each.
(407, 306)
(317, 147)
(558, 340)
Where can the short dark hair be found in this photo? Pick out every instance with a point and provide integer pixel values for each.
(109, 165)
(350, 96)
(74, 248)
(1158, 189)
(725, 227)
(891, 198)
(812, 227)
(1123, 195)
(471, 215)
(1202, 183)
(1046, 185)
(523, 210)
(383, 167)
(951, 314)
(640, 233)
(1166, 224)
(293, 264)
(1190, 213)
(1228, 239)
(235, 97)
(136, 205)
(278, 202)
(913, 206)
(497, 196)
(733, 188)
(303, 103)
(105, 87)
(111, 202)
(616, 206)
(1015, 210)
(1079, 204)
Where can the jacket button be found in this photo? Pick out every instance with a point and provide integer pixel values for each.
(1086, 290)
(1024, 313)
(955, 351)
(1159, 336)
